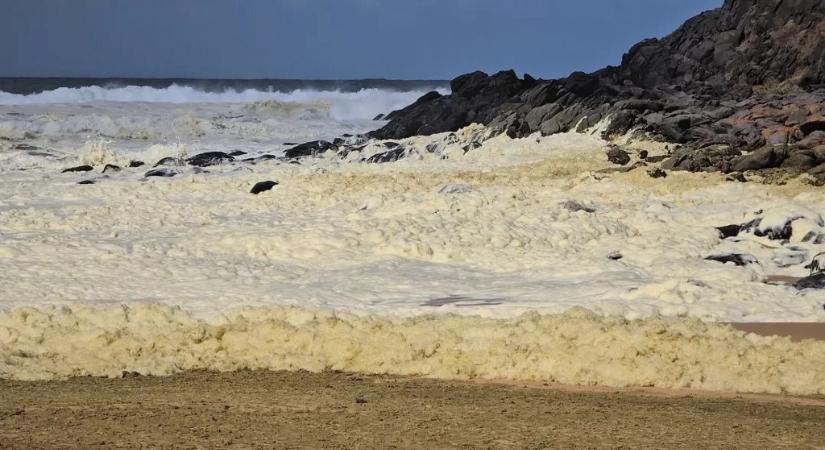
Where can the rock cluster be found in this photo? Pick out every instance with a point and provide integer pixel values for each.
(741, 88)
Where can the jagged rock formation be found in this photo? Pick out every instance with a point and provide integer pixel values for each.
(749, 75)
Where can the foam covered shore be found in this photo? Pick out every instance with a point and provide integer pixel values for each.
(574, 348)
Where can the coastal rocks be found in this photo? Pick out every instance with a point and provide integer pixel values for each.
(263, 186)
(133, 164)
(311, 148)
(83, 168)
(162, 172)
(727, 81)
(111, 168)
(209, 159)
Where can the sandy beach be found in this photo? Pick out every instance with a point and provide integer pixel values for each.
(338, 410)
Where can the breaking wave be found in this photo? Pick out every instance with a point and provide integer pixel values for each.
(363, 104)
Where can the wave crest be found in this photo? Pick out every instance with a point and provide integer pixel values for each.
(363, 104)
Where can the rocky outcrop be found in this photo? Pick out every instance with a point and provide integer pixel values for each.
(749, 76)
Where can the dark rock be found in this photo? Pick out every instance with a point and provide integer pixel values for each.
(26, 147)
(815, 281)
(764, 158)
(263, 186)
(378, 117)
(169, 161)
(209, 159)
(111, 168)
(311, 148)
(236, 153)
(643, 154)
(740, 259)
(84, 168)
(729, 231)
(657, 172)
(814, 125)
(162, 172)
(134, 164)
(86, 182)
(618, 156)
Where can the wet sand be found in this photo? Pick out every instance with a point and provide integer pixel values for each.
(339, 410)
(796, 331)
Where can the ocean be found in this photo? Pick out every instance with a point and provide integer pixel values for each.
(473, 256)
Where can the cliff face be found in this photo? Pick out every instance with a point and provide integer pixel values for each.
(745, 43)
(746, 75)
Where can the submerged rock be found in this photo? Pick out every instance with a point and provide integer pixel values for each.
(86, 182)
(263, 186)
(729, 231)
(455, 188)
(134, 164)
(574, 206)
(388, 156)
(815, 281)
(162, 172)
(83, 168)
(740, 259)
(111, 168)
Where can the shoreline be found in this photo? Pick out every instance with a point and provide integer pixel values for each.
(345, 410)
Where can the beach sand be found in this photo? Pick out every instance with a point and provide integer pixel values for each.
(340, 410)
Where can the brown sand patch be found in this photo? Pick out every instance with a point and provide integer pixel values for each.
(337, 410)
(796, 331)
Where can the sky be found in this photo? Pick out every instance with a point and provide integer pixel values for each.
(326, 39)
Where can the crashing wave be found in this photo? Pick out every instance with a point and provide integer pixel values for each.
(363, 104)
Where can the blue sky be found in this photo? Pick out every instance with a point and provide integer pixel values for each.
(407, 39)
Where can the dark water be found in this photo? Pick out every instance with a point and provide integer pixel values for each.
(26, 86)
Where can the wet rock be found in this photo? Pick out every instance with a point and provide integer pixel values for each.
(162, 172)
(83, 168)
(111, 168)
(740, 259)
(86, 182)
(388, 156)
(134, 164)
(618, 156)
(311, 148)
(727, 231)
(455, 188)
(379, 117)
(210, 159)
(657, 172)
(263, 186)
(26, 147)
(236, 153)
